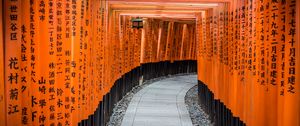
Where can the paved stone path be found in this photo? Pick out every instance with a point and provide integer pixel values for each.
(161, 103)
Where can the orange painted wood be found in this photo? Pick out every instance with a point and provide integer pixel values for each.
(291, 95)
(2, 85)
(84, 53)
(12, 62)
(43, 61)
(297, 122)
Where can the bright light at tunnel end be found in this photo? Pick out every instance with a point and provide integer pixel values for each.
(169, 3)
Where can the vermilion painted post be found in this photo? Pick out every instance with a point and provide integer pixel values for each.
(2, 86)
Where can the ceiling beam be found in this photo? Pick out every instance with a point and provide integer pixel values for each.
(173, 1)
(114, 7)
(177, 10)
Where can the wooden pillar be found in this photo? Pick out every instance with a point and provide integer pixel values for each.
(2, 97)
(298, 59)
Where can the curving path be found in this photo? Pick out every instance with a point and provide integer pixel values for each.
(161, 103)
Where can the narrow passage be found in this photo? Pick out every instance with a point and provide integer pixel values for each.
(161, 103)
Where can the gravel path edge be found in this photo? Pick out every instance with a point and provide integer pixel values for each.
(197, 114)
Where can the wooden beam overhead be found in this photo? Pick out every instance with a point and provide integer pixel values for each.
(172, 1)
(145, 7)
(172, 10)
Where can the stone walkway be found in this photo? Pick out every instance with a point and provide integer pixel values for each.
(161, 104)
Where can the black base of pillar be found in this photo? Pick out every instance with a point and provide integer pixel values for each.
(217, 111)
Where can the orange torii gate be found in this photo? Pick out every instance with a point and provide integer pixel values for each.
(66, 62)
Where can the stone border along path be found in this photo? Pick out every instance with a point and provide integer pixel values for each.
(161, 103)
(197, 114)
